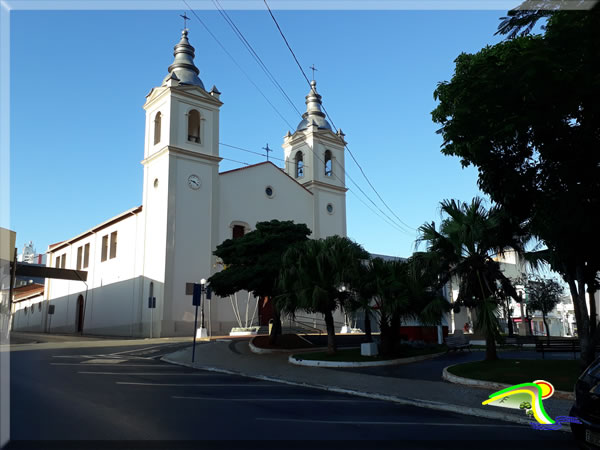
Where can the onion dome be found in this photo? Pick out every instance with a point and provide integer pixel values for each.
(183, 66)
(314, 115)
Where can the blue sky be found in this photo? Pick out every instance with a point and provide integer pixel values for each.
(79, 80)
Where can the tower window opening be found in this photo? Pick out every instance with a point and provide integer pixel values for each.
(328, 171)
(194, 126)
(157, 122)
(238, 231)
(299, 165)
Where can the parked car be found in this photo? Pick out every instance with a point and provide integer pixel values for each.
(587, 407)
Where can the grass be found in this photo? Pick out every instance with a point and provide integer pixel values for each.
(561, 373)
(353, 354)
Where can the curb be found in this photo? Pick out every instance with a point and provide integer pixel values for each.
(265, 351)
(451, 378)
(439, 406)
(389, 362)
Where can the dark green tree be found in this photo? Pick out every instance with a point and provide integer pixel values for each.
(543, 294)
(252, 262)
(312, 275)
(526, 113)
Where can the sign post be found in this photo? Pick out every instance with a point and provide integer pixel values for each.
(196, 298)
(151, 306)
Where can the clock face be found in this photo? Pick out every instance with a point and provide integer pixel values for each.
(194, 182)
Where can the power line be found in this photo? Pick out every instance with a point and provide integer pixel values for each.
(331, 120)
(252, 52)
(250, 151)
(265, 69)
(236, 161)
(286, 42)
(236, 63)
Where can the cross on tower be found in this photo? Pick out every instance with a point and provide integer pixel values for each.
(267, 149)
(313, 68)
(185, 19)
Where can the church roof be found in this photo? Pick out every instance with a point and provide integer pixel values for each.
(118, 218)
(28, 291)
(262, 164)
(314, 114)
(183, 70)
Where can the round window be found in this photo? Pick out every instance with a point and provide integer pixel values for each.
(330, 208)
(269, 192)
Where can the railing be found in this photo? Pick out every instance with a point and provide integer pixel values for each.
(318, 324)
(304, 325)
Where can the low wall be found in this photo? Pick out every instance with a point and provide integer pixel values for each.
(422, 333)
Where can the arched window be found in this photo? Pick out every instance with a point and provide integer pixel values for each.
(157, 121)
(194, 126)
(299, 165)
(238, 231)
(328, 171)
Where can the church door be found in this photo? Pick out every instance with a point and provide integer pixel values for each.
(79, 312)
(265, 311)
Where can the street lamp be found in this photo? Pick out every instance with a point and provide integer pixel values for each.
(203, 284)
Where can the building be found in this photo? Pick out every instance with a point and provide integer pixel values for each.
(7, 258)
(28, 308)
(157, 249)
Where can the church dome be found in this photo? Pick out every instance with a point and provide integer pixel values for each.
(183, 68)
(313, 113)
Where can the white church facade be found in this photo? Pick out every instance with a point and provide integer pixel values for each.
(188, 208)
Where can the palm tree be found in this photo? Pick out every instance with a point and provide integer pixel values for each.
(463, 248)
(395, 291)
(312, 275)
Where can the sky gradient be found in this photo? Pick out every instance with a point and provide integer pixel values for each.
(79, 80)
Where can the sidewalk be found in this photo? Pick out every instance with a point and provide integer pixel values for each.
(235, 357)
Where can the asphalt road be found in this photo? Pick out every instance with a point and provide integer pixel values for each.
(127, 393)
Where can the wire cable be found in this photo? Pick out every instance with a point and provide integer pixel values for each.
(253, 53)
(250, 151)
(272, 78)
(236, 63)
(331, 120)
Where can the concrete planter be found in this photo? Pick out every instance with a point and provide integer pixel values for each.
(389, 362)
(446, 375)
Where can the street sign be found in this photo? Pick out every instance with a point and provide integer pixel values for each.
(151, 302)
(50, 309)
(197, 295)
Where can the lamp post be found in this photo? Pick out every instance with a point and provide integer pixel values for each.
(203, 284)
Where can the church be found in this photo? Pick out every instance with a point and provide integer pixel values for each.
(189, 207)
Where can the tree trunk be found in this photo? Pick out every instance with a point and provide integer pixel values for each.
(276, 329)
(331, 348)
(368, 336)
(511, 332)
(490, 348)
(577, 288)
(593, 317)
(546, 325)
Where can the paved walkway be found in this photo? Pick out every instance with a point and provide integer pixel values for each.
(426, 389)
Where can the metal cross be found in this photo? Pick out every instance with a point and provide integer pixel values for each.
(313, 68)
(267, 149)
(185, 19)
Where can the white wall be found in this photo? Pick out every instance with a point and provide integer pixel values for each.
(112, 294)
(28, 315)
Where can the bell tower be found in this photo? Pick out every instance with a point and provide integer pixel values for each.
(180, 200)
(314, 157)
